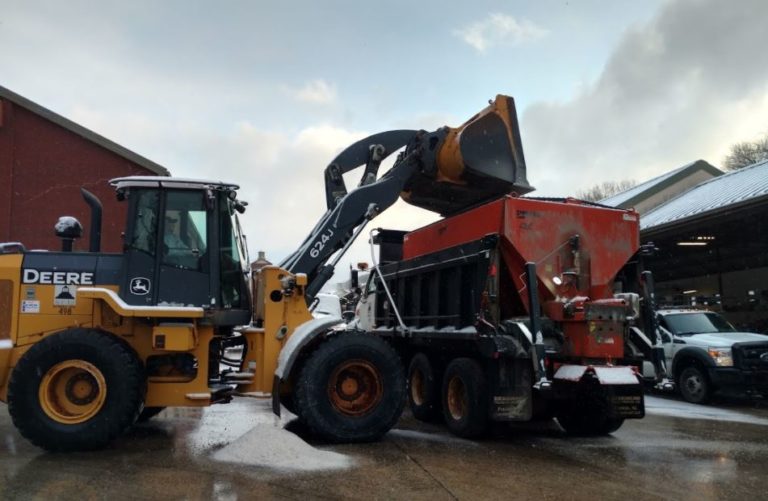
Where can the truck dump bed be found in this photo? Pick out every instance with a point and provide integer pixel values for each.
(469, 270)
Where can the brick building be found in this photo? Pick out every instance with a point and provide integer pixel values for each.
(44, 160)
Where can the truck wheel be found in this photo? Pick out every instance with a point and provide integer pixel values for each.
(694, 385)
(423, 389)
(76, 390)
(465, 406)
(351, 389)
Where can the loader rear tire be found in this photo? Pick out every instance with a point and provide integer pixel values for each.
(351, 389)
(76, 390)
(423, 389)
(148, 413)
(464, 397)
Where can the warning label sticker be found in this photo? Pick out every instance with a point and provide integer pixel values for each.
(65, 295)
(30, 306)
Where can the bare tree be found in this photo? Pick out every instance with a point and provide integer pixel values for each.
(746, 153)
(605, 189)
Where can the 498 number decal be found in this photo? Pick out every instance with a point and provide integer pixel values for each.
(319, 245)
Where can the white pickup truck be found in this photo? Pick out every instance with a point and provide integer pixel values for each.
(706, 354)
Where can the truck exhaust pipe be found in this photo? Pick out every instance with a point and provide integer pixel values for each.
(94, 244)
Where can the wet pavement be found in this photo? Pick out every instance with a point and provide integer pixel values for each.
(240, 451)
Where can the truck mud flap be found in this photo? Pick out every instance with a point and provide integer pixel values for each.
(616, 388)
(512, 395)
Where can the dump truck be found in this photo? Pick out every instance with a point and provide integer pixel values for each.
(517, 310)
(92, 341)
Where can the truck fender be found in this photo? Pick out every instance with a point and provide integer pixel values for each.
(692, 352)
(301, 337)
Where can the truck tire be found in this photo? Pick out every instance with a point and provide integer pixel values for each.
(351, 389)
(694, 385)
(76, 390)
(423, 389)
(464, 398)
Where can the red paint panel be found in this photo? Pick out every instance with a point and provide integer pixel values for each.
(541, 232)
(449, 232)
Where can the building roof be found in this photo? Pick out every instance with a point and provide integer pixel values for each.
(83, 132)
(642, 191)
(730, 190)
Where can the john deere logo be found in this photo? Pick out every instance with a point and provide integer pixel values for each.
(140, 286)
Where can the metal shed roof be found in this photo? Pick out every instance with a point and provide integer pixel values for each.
(729, 190)
(83, 132)
(642, 191)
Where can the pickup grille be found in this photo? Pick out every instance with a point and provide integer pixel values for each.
(751, 356)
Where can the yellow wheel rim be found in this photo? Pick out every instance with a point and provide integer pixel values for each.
(72, 392)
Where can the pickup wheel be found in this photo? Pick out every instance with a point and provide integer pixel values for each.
(351, 389)
(694, 385)
(423, 388)
(76, 390)
(464, 396)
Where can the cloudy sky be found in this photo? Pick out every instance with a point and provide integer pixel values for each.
(266, 93)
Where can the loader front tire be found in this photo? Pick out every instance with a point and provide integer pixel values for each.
(76, 390)
(351, 388)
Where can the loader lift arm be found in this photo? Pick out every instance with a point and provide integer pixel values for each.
(348, 212)
(445, 171)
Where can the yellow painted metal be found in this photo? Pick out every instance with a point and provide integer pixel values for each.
(10, 266)
(72, 392)
(450, 161)
(101, 308)
(125, 310)
(174, 337)
(282, 315)
(173, 393)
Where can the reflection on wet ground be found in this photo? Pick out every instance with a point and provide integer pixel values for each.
(241, 451)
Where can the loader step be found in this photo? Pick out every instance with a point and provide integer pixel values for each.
(219, 393)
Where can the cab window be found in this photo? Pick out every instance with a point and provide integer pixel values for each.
(184, 230)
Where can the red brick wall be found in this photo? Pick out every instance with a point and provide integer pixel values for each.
(42, 167)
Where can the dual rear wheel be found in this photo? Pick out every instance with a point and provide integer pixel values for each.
(458, 394)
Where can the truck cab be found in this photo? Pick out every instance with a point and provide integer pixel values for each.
(707, 355)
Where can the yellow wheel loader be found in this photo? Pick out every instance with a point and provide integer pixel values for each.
(90, 341)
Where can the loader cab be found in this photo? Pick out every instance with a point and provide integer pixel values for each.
(183, 246)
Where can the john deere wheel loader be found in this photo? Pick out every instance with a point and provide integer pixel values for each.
(89, 341)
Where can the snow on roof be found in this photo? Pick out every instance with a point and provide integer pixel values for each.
(729, 189)
(626, 195)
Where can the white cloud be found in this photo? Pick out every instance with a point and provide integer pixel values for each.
(680, 87)
(500, 29)
(317, 92)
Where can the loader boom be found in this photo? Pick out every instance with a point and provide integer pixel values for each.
(446, 171)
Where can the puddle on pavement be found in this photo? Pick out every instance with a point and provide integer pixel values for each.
(677, 409)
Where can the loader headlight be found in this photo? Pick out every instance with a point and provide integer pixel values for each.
(721, 356)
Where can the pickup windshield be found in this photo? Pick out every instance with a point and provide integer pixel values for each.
(687, 324)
